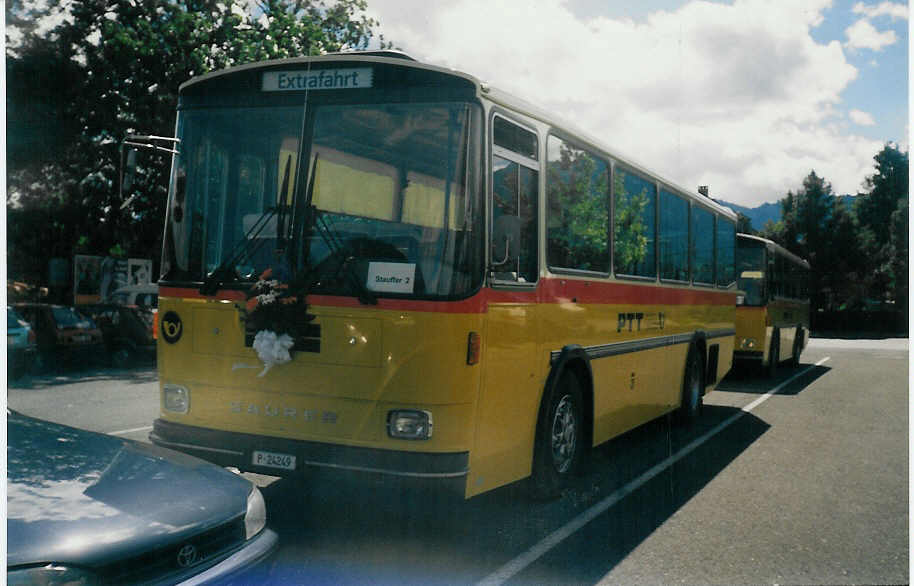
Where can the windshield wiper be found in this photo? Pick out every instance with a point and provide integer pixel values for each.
(317, 223)
(365, 295)
(246, 247)
(250, 243)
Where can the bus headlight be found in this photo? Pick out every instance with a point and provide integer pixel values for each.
(747, 343)
(175, 398)
(409, 424)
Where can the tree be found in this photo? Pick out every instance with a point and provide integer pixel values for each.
(113, 68)
(807, 228)
(883, 216)
(843, 263)
(744, 224)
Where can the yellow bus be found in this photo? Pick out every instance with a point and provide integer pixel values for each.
(772, 313)
(473, 293)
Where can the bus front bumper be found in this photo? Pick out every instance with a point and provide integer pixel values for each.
(226, 448)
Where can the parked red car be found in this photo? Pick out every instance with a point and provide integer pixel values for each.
(63, 334)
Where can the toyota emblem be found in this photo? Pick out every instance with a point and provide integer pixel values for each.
(187, 556)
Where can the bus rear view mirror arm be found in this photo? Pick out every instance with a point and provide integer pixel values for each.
(134, 142)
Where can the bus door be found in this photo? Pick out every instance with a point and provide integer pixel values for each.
(510, 394)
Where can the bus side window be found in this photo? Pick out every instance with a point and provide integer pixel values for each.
(515, 188)
(634, 228)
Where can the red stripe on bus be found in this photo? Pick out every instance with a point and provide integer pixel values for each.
(190, 293)
(558, 290)
(552, 290)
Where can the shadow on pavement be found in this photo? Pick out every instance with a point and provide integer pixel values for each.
(135, 375)
(352, 530)
(759, 384)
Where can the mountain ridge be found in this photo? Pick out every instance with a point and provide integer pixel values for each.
(768, 211)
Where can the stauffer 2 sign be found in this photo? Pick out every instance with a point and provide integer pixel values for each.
(323, 79)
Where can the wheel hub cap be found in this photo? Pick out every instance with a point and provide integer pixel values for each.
(564, 438)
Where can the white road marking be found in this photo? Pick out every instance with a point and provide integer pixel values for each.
(126, 431)
(518, 564)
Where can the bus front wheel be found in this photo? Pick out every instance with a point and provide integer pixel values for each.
(559, 446)
(797, 348)
(774, 356)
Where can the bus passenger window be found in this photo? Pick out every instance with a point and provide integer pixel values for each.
(633, 225)
(726, 241)
(577, 185)
(674, 237)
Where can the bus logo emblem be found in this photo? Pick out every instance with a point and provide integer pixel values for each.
(171, 327)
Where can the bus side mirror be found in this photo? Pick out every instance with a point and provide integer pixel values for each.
(129, 172)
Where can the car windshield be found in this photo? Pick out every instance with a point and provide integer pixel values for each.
(389, 182)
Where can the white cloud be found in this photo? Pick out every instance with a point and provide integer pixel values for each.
(892, 9)
(863, 35)
(861, 118)
(739, 96)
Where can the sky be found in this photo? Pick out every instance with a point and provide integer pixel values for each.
(746, 96)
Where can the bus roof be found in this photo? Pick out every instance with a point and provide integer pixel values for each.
(484, 90)
(776, 248)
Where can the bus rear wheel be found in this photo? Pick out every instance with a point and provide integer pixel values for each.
(692, 388)
(559, 446)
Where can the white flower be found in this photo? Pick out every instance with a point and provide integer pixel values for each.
(266, 285)
(272, 349)
(266, 298)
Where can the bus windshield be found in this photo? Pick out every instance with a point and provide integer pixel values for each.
(750, 265)
(394, 197)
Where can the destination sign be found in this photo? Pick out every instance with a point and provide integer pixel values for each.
(323, 79)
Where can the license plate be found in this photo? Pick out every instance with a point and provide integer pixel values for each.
(10, 340)
(82, 338)
(273, 460)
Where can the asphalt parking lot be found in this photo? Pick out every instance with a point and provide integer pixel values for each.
(799, 480)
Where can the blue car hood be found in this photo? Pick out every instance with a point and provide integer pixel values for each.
(85, 498)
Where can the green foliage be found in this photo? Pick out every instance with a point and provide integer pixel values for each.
(883, 218)
(859, 253)
(113, 68)
(744, 224)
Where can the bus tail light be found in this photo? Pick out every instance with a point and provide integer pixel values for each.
(474, 347)
(409, 424)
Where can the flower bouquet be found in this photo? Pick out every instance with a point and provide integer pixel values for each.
(277, 318)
